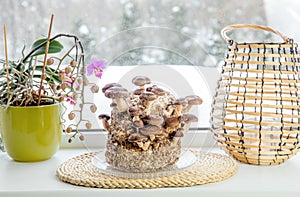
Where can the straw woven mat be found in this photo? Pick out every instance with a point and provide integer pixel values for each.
(209, 168)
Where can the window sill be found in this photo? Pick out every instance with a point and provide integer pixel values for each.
(38, 179)
(97, 139)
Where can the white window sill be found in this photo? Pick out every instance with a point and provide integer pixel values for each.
(38, 179)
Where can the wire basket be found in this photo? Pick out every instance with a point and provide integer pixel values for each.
(255, 112)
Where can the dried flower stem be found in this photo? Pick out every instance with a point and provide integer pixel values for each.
(45, 59)
(6, 61)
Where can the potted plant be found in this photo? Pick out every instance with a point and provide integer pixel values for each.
(38, 91)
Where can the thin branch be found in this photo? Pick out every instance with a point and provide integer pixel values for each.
(45, 59)
(6, 60)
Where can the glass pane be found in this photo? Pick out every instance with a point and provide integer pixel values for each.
(132, 32)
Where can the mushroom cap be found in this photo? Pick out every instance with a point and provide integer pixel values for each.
(136, 137)
(141, 80)
(188, 118)
(149, 129)
(138, 92)
(109, 85)
(180, 101)
(194, 100)
(113, 104)
(104, 117)
(154, 120)
(116, 92)
(158, 91)
(138, 123)
(172, 121)
(149, 96)
(149, 89)
(134, 111)
(179, 133)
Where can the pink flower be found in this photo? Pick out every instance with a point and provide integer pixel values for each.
(96, 67)
(68, 80)
(71, 100)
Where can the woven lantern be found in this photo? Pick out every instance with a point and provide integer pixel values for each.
(255, 112)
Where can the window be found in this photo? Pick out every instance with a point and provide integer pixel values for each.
(177, 43)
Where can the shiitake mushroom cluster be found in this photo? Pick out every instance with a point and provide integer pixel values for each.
(148, 117)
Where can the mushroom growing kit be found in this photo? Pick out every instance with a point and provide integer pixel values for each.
(146, 126)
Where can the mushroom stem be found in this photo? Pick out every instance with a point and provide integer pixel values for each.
(106, 125)
(179, 134)
(187, 109)
(186, 127)
(178, 110)
(176, 140)
(121, 104)
(148, 107)
(187, 119)
(168, 112)
(179, 105)
(146, 145)
(118, 95)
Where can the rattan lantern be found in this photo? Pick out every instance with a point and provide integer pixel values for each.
(256, 109)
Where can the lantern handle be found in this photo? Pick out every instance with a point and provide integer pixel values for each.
(250, 26)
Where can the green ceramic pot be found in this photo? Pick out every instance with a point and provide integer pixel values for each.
(31, 133)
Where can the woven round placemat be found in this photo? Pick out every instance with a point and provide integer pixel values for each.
(209, 168)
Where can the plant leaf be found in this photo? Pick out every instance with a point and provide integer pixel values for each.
(54, 47)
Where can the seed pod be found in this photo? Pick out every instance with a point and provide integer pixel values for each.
(69, 130)
(93, 108)
(71, 116)
(61, 75)
(53, 87)
(95, 89)
(88, 125)
(81, 138)
(68, 70)
(79, 81)
(63, 86)
(77, 88)
(61, 99)
(75, 96)
(73, 63)
(50, 61)
(85, 82)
